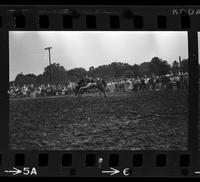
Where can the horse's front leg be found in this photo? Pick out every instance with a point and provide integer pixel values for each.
(80, 93)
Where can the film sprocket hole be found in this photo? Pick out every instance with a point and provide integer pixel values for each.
(99, 91)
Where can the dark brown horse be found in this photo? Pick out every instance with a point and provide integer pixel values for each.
(89, 83)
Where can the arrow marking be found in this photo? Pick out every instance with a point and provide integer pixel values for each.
(113, 172)
(14, 171)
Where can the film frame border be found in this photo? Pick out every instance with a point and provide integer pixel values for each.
(122, 19)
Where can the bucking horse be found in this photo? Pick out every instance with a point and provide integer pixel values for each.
(89, 83)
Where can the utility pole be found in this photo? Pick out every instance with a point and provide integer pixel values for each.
(180, 65)
(181, 74)
(50, 75)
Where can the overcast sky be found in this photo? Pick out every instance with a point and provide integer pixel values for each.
(91, 48)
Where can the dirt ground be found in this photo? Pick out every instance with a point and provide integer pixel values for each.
(156, 120)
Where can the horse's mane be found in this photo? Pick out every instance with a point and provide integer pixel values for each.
(81, 81)
(88, 80)
(89, 83)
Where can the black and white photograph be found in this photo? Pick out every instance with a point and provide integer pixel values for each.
(98, 90)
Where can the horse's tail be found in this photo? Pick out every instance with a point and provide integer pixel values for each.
(104, 82)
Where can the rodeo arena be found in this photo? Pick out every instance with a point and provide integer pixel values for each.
(141, 113)
(138, 84)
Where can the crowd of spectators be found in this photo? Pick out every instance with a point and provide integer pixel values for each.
(31, 90)
(153, 83)
(145, 83)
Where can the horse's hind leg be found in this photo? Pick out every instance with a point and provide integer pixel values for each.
(104, 92)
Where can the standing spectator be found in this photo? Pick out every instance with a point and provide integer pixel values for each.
(157, 83)
(130, 85)
(178, 82)
(142, 84)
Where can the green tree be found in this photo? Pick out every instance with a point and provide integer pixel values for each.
(22, 79)
(145, 69)
(129, 73)
(184, 65)
(175, 68)
(40, 79)
(76, 74)
(91, 72)
(58, 74)
(91, 68)
(136, 70)
(159, 66)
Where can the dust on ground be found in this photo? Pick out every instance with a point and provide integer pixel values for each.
(153, 120)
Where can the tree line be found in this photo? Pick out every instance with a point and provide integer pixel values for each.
(115, 70)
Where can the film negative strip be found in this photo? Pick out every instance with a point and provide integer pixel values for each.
(99, 91)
